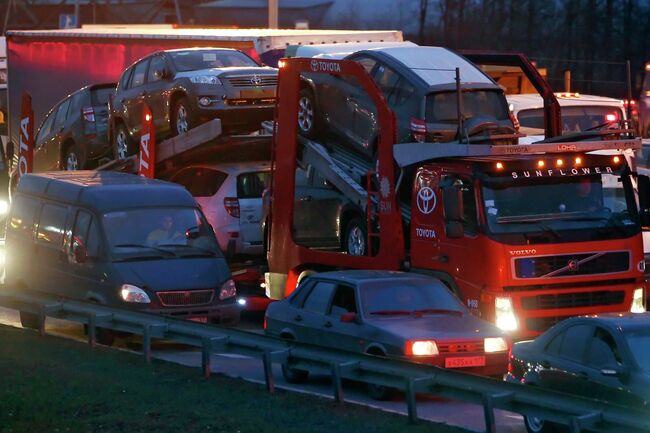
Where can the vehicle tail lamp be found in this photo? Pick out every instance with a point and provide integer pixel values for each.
(134, 294)
(421, 348)
(616, 159)
(232, 206)
(495, 344)
(88, 114)
(228, 290)
(637, 301)
(418, 129)
(504, 314)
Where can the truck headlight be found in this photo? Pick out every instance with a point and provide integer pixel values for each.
(637, 301)
(4, 207)
(228, 290)
(495, 344)
(130, 293)
(421, 348)
(505, 314)
(205, 79)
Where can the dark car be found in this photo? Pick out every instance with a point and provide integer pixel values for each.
(118, 240)
(342, 223)
(186, 87)
(74, 134)
(393, 314)
(418, 84)
(605, 357)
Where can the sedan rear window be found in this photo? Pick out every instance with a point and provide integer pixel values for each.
(442, 106)
(206, 59)
(101, 95)
(252, 185)
(574, 119)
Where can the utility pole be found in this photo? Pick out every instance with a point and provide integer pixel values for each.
(273, 14)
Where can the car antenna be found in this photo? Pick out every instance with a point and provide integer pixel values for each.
(459, 109)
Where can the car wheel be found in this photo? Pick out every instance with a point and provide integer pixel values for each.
(122, 147)
(30, 320)
(71, 159)
(356, 237)
(182, 119)
(380, 392)
(308, 122)
(537, 425)
(294, 375)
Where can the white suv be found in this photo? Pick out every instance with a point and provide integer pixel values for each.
(230, 195)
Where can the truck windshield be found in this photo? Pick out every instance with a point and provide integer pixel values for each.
(559, 209)
(574, 119)
(194, 60)
(166, 232)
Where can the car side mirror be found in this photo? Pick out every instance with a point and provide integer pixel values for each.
(348, 317)
(192, 233)
(79, 253)
(161, 74)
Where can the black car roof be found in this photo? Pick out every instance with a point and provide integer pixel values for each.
(623, 321)
(104, 191)
(358, 275)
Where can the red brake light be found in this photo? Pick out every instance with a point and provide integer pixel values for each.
(510, 360)
(418, 129)
(232, 206)
(88, 114)
(612, 117)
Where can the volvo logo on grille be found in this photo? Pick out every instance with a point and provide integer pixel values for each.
(573, 265)
(256, 80)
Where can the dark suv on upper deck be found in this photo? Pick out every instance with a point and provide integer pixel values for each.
(186, 87)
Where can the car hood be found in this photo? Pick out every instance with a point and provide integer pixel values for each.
(174, 274)
(437, 326)
(232, 71)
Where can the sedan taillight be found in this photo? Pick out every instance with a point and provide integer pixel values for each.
(232, 206)
(88, 114)
(418, 129)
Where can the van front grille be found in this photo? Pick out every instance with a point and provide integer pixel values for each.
(184, 298)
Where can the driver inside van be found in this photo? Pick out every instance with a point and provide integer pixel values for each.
(165, 233)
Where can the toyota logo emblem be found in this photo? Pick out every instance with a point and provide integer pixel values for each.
(426, 200)
(314, 65)
(256, 80)
(573, 265)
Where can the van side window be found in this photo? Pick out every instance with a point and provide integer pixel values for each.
(86, 233)
(94, 242)
(22, 216)
(51, 226)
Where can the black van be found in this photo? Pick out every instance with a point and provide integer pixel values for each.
(119, 240)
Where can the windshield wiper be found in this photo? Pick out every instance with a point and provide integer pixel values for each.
(602, 125)
(199, 249)
(438, 311)
(542, 225)
(392, 312)
(167, 252)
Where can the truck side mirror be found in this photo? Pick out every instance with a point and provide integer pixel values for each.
(162, 74)
(643, 183)
(452, 198)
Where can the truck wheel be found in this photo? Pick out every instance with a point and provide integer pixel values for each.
(29, 320)
(182, 119)
(122, 147)
(71, 159)
(356, 237)
(308, 123)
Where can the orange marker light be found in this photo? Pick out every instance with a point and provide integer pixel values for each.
(559, 163)
(540, 163)
(281, 64)
(147, 117)
(499, 166)
(616, 159)
(578, 160)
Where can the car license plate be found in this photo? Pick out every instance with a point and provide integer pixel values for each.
(199, 319)
(465, 361)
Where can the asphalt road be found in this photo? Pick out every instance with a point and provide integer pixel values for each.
(456, 413)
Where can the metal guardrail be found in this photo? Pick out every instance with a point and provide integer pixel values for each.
(577, 413)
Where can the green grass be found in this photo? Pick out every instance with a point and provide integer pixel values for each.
(55, 385)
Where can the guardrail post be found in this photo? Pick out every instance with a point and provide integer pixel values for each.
(268, 371)
(146, 342)
(206, 355)
(488, 409)
(337, 386)
(411, 401)
(92, 330)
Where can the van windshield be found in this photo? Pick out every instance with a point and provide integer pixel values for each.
(165, 232)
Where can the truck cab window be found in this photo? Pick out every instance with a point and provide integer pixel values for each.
(470, 219)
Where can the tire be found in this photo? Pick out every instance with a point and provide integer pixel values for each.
(71, 158)
(182, 119)
(29, 320)
(379, 392)
(536, 425)
(122, 145)
(294, 375)
(355, 239)
(308, 118)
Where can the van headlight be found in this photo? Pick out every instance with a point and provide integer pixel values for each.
(505, 314)
(228, 290)
(131, 293)
(637, 301)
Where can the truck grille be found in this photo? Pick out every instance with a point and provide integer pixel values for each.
(572, 265)
(253, 81)
(460, 347)
(183, 298)
(573, 300)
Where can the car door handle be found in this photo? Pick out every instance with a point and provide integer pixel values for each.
(327, 325)
(298, 318)
(545, 364)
